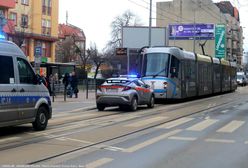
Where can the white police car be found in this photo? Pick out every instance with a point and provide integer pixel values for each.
(23, 98)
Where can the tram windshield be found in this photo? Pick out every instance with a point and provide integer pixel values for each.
(156, 64)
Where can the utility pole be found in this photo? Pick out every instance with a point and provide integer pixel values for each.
(194, 31)
(66, 18)
(150, 24)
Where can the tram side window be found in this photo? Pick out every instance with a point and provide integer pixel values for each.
(174, 68)
(6, 70)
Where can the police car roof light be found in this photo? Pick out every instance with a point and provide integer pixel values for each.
(2, 36)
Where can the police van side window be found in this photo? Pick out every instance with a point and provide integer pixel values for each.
(6, 70)
(25, 72)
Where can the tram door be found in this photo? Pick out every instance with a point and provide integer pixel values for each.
(189, 79)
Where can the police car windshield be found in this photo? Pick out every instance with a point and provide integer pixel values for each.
(156, 64)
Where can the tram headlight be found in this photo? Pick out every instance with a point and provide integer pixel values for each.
(165, 85)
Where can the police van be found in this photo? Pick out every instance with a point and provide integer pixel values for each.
(23, 97)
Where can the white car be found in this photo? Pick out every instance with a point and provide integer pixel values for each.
(241, 80)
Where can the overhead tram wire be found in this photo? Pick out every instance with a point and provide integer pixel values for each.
(152, 11)
(171, 13)
(213, 16)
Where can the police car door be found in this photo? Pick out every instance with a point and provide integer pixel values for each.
(8, 90)
(29, 91)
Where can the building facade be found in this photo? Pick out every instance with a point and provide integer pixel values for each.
(203, 12)
(71, 44)
(33, 24)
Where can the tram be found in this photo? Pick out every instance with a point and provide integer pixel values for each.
(174, 73)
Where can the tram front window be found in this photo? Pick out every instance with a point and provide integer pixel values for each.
(156, 64)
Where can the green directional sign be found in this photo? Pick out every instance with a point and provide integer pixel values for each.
(220, 41)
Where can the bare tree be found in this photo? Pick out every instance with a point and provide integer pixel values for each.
(96, 58)
(81, 52)
(126, 19)
(66, 50)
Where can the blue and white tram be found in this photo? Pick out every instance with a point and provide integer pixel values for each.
(175, 74)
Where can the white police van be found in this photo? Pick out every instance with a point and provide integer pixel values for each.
(23, 98)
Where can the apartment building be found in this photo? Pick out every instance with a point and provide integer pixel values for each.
(34, 24)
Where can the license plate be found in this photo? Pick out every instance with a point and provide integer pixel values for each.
(112, 90)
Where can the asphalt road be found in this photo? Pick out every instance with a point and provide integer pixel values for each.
(209, 132)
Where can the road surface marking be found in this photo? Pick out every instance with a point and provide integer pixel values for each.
(235, 106)
(73, 115)
(99, 163)
(78, 140)
(151, 141)
(10, 139)
(202, 125)
(224, 111)
(183, 138)
(175, 123)
(246, 142)
(145, 122)
(220, 140)
(112, 148)
(64, 128)
(231, 127)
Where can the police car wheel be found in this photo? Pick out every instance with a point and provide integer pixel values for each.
(151, 103)
(134, 104)
(41, 119)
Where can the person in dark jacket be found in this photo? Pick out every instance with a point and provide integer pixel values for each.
(46, 82)
(74, 85)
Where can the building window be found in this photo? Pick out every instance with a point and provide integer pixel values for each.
(13, 17)
(46, 27)
(24, 21)
(25, 2)
(46, 48)
(46, 7)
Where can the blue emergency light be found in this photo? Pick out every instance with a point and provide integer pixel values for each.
(2, 35)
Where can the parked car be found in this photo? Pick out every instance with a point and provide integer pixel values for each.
(242, 79)
(124, 92)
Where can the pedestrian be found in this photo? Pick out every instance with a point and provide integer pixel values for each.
(66, 80)
(46, 82)
(74, 85)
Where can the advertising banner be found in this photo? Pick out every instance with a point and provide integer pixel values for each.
(189, 31)
(220, 41)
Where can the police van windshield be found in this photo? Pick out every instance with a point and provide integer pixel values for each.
(156, 64)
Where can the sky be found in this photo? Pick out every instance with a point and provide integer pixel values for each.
(95, 16)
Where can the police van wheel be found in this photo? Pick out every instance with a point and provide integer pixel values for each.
(41, 119)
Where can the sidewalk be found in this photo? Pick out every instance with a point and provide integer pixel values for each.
(74, 104)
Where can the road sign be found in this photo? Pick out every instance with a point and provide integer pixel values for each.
(38, 51)
(220, 41)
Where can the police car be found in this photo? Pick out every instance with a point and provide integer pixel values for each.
(23, 98)
(124, 91)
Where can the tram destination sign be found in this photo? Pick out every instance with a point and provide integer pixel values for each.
(191, 31)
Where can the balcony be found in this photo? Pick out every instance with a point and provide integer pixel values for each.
(7, 3)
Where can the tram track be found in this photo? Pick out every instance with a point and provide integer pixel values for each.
(230, 103)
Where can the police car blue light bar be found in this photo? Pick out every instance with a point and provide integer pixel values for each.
(2, 36)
